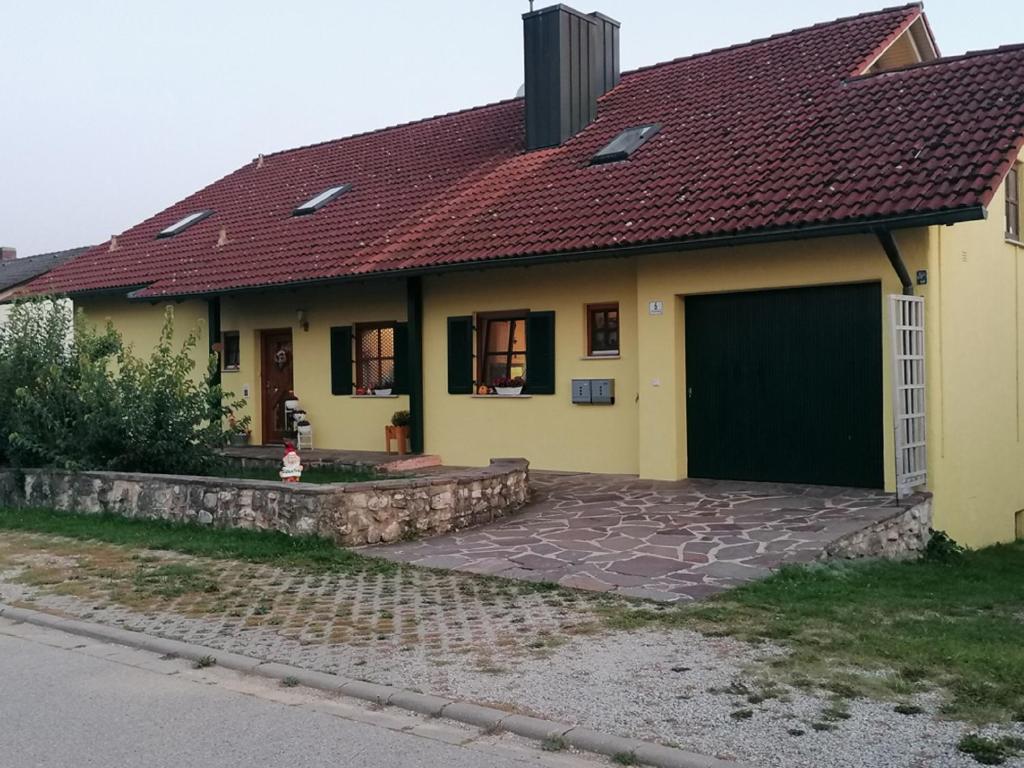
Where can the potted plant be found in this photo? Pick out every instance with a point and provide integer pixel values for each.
(383, 387)
(509, 385)
(303, 427)
(399, 430)
(239, 435)
(291, 402)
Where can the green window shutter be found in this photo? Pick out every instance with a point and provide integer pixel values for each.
(540, 353)
(460, 355)
(401, 358)
(341, 360)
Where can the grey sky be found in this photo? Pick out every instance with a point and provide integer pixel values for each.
(114, 109)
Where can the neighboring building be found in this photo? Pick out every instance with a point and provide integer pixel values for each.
(16, 273)
(707, 243)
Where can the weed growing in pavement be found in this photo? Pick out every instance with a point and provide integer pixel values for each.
(553, 744)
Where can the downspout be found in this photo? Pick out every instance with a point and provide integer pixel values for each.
(213, 309)
(414, 322)
(892, 250)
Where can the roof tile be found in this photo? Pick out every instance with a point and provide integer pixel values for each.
(770, 135)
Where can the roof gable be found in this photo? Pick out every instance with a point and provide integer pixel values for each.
(776, 135)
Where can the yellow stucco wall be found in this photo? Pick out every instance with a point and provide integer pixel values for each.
(339, 421)
(645, 431)
(975, 343)
(140, 324)
(547, 429)
(975, 338)
(670, 277)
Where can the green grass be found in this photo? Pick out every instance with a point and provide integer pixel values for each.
(305, 552)
(318, 475)
(954, 625)
(990, 751)
(172, 580)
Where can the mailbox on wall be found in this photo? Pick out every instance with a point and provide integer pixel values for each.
(593, 391)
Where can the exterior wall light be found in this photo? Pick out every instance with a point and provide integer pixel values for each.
(303, 320)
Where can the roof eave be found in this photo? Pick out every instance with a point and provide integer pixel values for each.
(864, 226)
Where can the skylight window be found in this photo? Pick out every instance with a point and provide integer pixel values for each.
(315, 204)
(183, 224)
(625, 144)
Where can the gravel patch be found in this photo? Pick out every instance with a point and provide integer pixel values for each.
(620, 683)
(675, 687)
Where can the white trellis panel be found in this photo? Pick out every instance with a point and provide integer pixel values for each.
(906, 318)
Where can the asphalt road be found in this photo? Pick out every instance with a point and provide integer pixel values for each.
(67, 702)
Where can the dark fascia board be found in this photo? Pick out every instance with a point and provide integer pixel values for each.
(102, 292)
(863, 227)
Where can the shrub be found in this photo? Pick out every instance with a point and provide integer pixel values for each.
(35, 338)
(87, 402)
(401, 418)
(943, 549)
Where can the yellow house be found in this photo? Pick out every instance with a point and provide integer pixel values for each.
(794, 260)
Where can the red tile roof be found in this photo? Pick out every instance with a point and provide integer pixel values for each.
(779, 135)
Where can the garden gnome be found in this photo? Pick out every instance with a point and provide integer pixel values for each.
(291, 465)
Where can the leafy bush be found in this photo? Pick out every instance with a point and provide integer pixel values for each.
(32, 341)
(85, 401)
(943, 549)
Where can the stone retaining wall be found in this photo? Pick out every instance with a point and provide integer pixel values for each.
(351, 514)
(904, 535)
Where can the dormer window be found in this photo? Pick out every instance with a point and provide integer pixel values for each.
(183, 224)
(316, 203)
(914, 46)
(625, 144)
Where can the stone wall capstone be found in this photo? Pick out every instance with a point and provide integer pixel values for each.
(351, 514)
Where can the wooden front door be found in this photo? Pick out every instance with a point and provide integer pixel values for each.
(277, 367)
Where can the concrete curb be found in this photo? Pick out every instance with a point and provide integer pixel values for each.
(433, 706)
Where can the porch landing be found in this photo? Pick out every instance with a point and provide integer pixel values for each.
(666, 541)
(385, 462)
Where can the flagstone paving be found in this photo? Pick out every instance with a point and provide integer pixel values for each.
(667, 541)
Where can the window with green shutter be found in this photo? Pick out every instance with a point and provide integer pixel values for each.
(401, 358)
(341, 360)
(460, 355)
(540, 353)
(508, 345)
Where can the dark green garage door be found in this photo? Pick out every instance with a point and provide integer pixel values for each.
(786, 385)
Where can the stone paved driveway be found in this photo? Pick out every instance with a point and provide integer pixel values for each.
(668, 541)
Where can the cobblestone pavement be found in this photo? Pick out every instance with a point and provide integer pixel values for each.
(350, 622)
(667, 541)
(511, 644)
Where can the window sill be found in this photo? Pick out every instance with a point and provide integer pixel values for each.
(1018, 243)
(601, 357)
(501, 397)
(230, 370)
(375, 397)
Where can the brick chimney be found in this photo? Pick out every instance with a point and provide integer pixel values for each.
(8, 254)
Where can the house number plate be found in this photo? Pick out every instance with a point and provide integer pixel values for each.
(656, 307)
